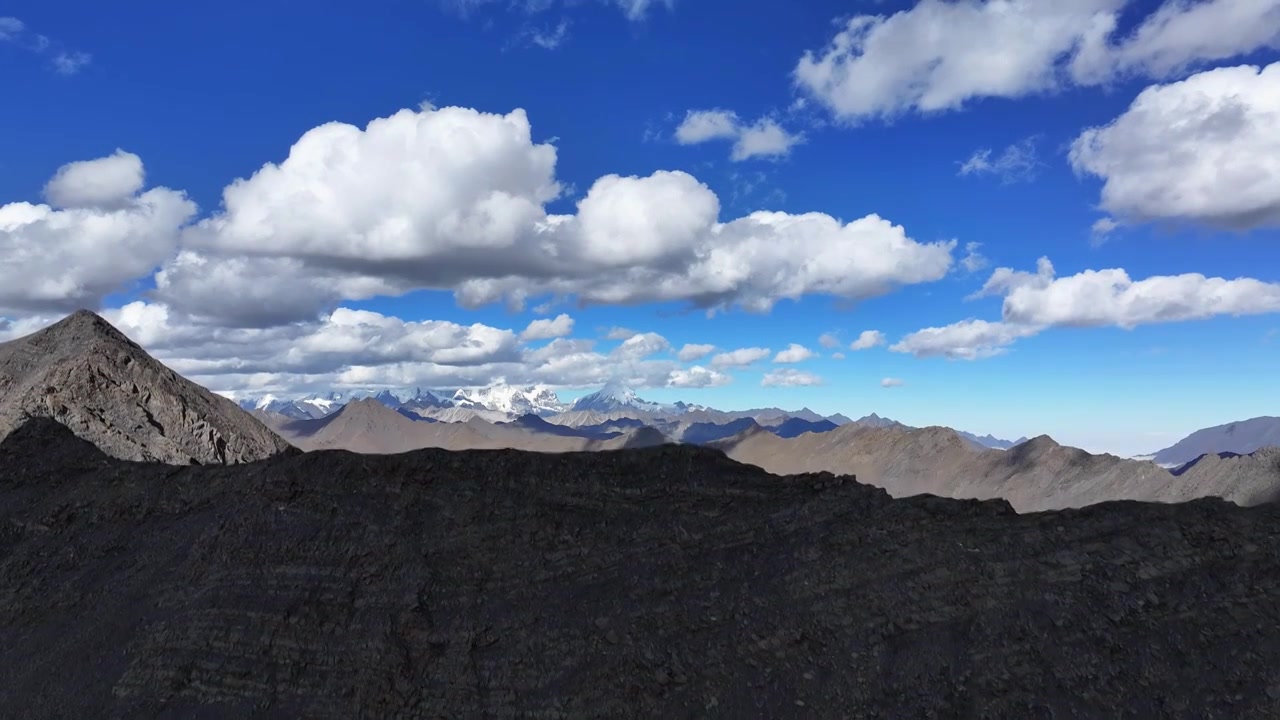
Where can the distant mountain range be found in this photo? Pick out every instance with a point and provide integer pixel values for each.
(1238, 438)
(502, 403)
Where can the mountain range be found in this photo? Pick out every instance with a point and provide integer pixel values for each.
(85, 374)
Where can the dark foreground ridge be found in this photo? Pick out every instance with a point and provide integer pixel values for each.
(658, 582)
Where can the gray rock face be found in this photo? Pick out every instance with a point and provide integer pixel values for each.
(1241, 438)
(88, 376)
(665, 582)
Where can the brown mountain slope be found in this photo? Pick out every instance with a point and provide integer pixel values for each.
(668, 582)
(1037, 475)
(85, 374)
(368, 426)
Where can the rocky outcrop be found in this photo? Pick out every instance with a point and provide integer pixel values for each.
(664, 582)
(88, 376)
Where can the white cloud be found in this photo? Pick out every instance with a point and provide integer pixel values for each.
(965, 340)
(1103, 227)
(837, 356)
(550, 39)
(108, 182)
(700, 126)
(829, 340)
(763, 138)
(891, 383)
(973, 260)
(793, 354)
(868, 339)
(62, 259)
(1016, 163)
(692, 352)
(697, 377)
(11, 28)
(71, 62)
(1205, 150)
(937, 56)
(547, 328)
(741, 357)
(789, 377)
(1036, 301)
(619, 333)
(641, 345)
(454, 199)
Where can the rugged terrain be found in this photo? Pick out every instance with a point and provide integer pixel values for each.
(1239, 438)
(88, 376)
(663, 582)
(1038, 474)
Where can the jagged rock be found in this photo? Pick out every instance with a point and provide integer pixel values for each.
(88, 376)
(661, 582)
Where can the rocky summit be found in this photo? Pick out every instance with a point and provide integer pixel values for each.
(661, 582)
(87, 375)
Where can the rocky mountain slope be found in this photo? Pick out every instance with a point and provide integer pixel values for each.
(369, 426)
(84, 373)
(1241, 438)
(667, 582)
(1038, 474)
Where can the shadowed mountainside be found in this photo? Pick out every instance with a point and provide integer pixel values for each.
(1038, 474)
(1240, 438)
(85, 374)
(666, 582)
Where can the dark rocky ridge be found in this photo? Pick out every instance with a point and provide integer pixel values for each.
(85, 374)
(667, 582)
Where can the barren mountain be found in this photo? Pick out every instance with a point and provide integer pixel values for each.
(369, 426)
(666, 582)
(85, 374)
(1036, 475)
(1240, 438)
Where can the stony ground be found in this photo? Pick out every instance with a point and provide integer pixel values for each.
(662, 582)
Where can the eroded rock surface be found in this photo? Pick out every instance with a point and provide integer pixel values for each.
(85, 374)
(660, 582)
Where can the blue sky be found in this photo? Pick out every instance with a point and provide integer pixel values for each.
(203, 95)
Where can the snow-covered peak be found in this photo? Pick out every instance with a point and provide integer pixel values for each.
(510, 399)
(615, 396)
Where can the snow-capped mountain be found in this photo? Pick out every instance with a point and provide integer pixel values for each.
(616, 396)
(510, 399)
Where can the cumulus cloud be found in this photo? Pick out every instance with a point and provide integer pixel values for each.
(868, 339)
(641, 345)
(1016, 163)
(741, 357)
(1036, 301)
(547, 328)
(793, 354)
(355, 349)
(105, 183)
(937, 56)
(71, 62)
(697, 377)
(965, 340)
(763, 138)
(1205, 150)
(789, 377)
(691, 352)
(454, 199)
(829, 340)
(100, 235)
(891, 383)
